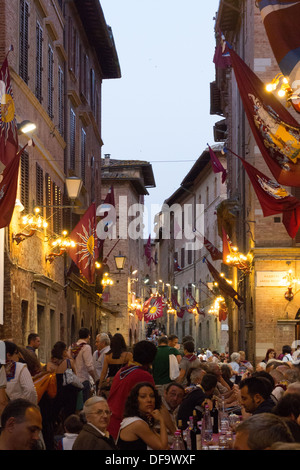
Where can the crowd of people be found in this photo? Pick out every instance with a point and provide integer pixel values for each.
(118, 399)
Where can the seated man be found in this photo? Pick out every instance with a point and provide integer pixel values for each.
(260, 431)
(21, 422)
(171, 400)
(195, 399)
(94, 434)
(256, 395)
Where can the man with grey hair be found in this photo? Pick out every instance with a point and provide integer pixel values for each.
(260, 432)
(294, 387)
(102, 344)
(94, 434)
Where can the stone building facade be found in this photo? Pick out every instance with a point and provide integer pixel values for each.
(196, 200)
(266, 319)
(130, 180)
(57, 66)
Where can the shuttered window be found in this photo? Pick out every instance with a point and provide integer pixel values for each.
(39, 186)
(50, 81)
(84, 61)
(92, 90)
(57, 213)
(83, 154)
(49, 209)
(25, 181)
(72, 139)
(60, 100)
(39, 62)
(23, 41)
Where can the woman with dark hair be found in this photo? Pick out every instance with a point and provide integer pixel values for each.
(226, 374)
(270, 354)
(114, 360)
(142, 409)
(66, 397)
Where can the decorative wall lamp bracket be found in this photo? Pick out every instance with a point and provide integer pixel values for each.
(32, 223)
(20, 236)
(62, 244)
(289, 294)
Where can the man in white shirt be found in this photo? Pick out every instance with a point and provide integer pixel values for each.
(287, 354)
(102, 344)
(81, 352)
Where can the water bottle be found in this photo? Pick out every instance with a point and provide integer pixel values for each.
(224, 418)
(207, 427)
(187, 437)
(182, 432)
(178, 443)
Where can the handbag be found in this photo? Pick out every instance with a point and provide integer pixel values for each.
(69, 378)
(45, 382)
(173, 367)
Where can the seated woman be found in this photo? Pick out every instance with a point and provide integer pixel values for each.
(227, 374)
(137, 428)
(114, 360)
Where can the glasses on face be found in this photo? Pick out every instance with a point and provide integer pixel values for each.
(101, 412)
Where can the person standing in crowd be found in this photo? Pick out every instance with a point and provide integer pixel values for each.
(161, 363)
(102, 344)
(137, 371)
(21, 423)
(173, 343)
(33, 342)
(189, 360)
(142, 409)
(81, 352)
(18, 377)
(116, 358)
(34, 366)
(66, 397)
(3, 381)
(94, 434)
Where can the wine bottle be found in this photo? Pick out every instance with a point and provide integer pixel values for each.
(215, 418)
(195, 433)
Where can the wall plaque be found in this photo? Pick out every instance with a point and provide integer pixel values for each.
(270, 278)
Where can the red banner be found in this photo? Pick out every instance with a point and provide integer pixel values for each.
(8, 125)
(8, 190)
(85, 253)
(276, 132)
